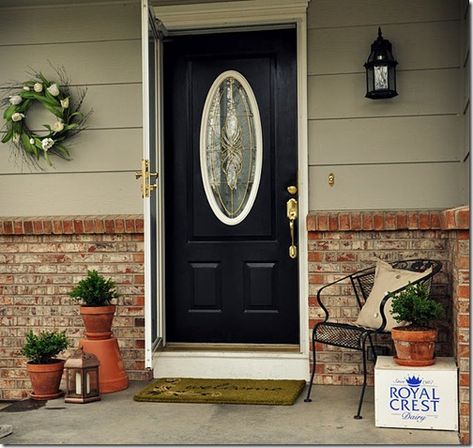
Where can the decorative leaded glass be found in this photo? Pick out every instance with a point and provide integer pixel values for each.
(231, 147)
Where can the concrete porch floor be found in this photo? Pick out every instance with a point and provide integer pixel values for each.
(117, 419)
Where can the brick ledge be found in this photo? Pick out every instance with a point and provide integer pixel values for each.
(62, 225)
(451, 219)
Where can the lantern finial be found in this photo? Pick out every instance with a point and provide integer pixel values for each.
(379, 32)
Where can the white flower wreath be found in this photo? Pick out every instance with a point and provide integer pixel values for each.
(56, 98)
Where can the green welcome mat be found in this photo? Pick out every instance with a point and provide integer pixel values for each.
(223, 391)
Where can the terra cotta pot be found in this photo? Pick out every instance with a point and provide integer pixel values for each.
(46, 379)
(98, 321)
(415, 347)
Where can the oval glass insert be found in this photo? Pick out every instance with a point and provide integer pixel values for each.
(231, 147)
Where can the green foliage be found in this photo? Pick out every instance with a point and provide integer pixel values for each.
(33, 146)
(94, 290)
(414, 305)
(43, 348)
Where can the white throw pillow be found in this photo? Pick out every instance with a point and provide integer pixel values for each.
(386, 279)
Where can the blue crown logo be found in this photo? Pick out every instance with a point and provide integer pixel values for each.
(413, 381)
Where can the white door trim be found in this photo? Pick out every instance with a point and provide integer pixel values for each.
(240, 14)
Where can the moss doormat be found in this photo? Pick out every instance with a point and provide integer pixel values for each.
(222, 391)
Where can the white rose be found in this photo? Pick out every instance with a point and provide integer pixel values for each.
(32, 141)
(15, 100)
(58, 126)
(53, 89)
(26, 88)
(65, 103)
(47, 143)
(38, 87)
(17, 116)
(16, 138)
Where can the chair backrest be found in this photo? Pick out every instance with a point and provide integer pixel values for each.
(362, 281)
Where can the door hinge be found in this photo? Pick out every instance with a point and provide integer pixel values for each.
(145, 176)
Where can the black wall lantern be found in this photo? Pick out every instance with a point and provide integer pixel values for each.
(380, 70)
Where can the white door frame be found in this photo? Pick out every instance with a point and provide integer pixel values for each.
(211, 16)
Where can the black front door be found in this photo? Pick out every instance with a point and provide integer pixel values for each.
(230, 113)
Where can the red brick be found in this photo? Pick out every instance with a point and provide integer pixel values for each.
(463, 321)
(463, 291)
(344, 221)
(109, 225)
(333, 221)
(138, 258)
(462, 218)
(315, 256)
(390, 221)
(355, 221)
(89, 225)
(119, 225)
(464, 379)
(68, 226)
(37, 227)
(18, 227)
(412, 220)
(322, 222)
(401, 220)
(7, 227)
(316, 279)
(57, 226)
(435, 220)
(367, 220)
(78, 226)
(463, 235)
(311, 222)
(139, 279)
(139, 225)
(424, 220)
(99, 226)
(130, 225)
(28, 226)
(378, 221)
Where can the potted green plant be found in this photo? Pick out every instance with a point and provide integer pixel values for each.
(415, 342)
(96, 293)
(44, 369)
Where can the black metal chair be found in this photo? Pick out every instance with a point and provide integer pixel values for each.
(354, 337)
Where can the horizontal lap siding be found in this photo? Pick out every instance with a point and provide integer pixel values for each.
(397, 153)
(100, 48)
(465, 102)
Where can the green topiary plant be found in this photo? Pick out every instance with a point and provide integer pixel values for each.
(43, 348)
(94, 290)
(415, 306)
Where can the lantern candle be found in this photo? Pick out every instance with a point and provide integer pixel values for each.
(78, 384)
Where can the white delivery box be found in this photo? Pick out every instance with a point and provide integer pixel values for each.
(416, 397)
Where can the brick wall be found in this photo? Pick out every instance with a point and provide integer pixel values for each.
(40, 261)
(457, 221)
(344, 242)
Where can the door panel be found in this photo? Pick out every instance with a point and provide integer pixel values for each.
(230, 283)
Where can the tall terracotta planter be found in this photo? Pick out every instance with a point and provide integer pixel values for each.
(46, 379)
(98, 321)
(414, 347)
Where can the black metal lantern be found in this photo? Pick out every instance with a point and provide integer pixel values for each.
(381, 70)
(82, 378)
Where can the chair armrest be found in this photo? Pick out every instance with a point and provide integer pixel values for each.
(319, 300)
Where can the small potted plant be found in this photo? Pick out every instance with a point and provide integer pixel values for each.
(44, 369)
(96, 293)
(415, 342)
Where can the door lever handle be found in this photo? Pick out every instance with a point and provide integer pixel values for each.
(292, 216)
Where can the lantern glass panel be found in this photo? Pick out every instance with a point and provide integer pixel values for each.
(380, 77)
(92, 382)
